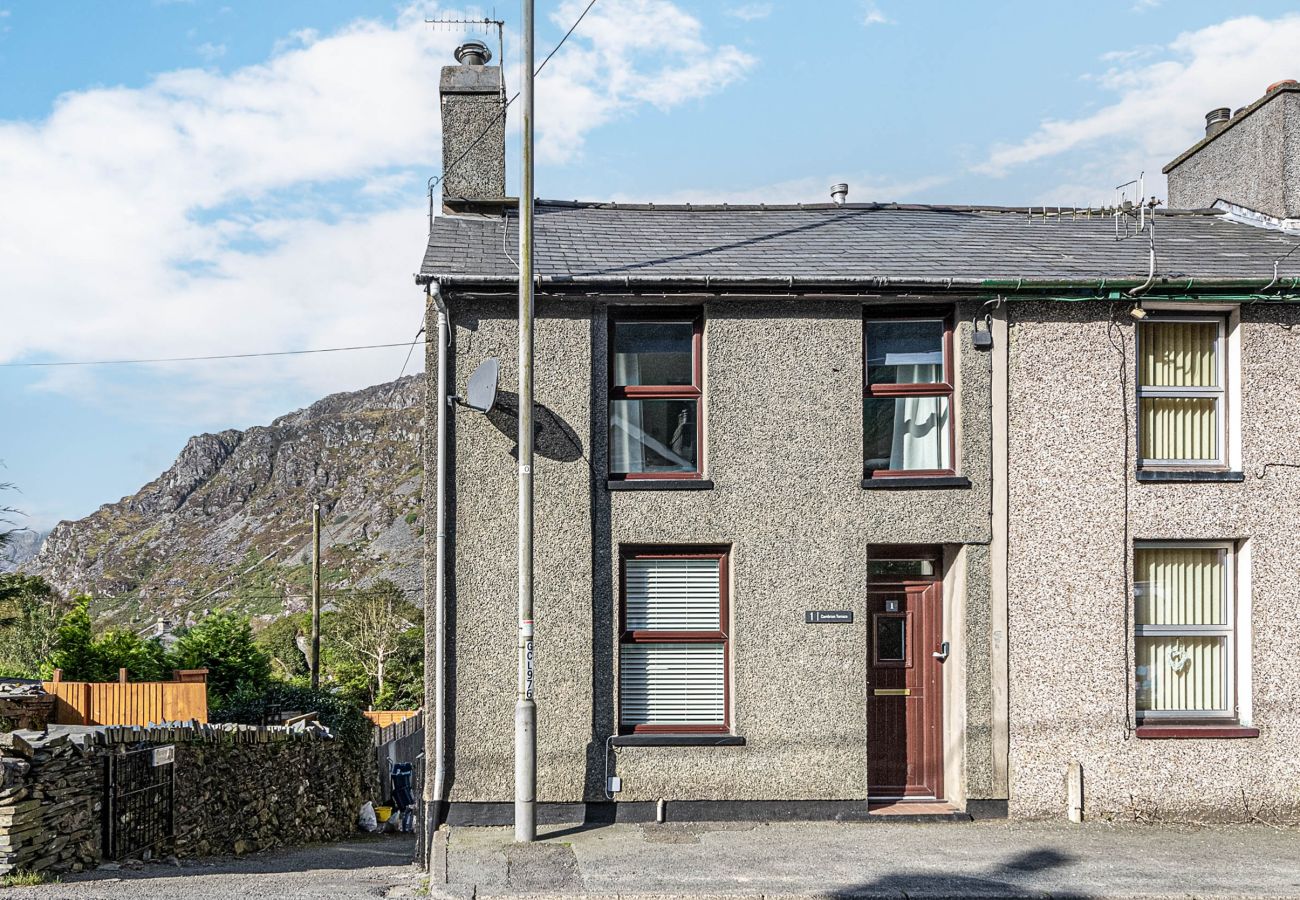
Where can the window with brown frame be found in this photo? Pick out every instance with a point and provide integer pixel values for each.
(673, 649)
(655, 364)
(907, 394)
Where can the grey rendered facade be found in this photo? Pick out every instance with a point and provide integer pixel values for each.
(1037, 528)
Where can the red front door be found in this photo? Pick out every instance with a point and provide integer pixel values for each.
(905, 675)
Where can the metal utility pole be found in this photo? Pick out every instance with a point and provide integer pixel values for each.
(525, 708)
(315, 595)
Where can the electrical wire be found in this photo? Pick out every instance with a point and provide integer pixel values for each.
(414, 341)
(175, 359)
(1120, 345)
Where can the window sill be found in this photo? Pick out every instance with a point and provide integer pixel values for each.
(1184, 475)
(678, 740)
(931, 481)
(1192, 732)
(659, 484)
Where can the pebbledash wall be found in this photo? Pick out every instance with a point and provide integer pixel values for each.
(783, 448)
(1071, 540)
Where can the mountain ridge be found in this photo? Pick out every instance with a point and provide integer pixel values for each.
(227, 524)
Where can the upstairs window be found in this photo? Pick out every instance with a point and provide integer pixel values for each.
(1181, 375)
(673, 651)
(1184, 610)
(908, 396)
(655, 395)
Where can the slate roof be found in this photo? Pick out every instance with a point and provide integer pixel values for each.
(587, 242)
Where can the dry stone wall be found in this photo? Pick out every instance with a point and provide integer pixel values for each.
(237, 789)
(50, 805)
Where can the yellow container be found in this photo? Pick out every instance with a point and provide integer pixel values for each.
(383, 813)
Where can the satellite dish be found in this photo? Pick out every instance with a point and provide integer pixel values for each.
(481, 391)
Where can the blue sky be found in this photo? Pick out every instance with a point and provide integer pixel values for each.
(186, 178)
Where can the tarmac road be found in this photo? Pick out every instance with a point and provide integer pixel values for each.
(832, 861)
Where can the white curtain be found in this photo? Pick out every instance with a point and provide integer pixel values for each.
(626, 426)
(920, 423)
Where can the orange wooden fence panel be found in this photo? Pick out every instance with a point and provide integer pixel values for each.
(133, 703)
(386, 717)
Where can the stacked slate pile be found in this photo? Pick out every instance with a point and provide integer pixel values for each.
(24, 706)
(50, 802)
(254, 788)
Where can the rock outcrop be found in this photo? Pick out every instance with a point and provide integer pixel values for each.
(228, 525)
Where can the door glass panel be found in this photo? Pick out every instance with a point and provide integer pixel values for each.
(891, 639)
(900, 568)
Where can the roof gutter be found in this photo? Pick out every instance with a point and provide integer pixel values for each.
(1255, 288)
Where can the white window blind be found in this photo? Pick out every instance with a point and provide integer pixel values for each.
(1183, 610)
(1181, 391)
(672, 684)
(672, 594)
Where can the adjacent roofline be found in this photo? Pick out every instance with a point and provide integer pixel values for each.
(853, 284)
(480, 208)
(1232, 123)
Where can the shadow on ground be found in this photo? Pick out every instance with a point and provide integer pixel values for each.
(361, 852)
(1006, 879)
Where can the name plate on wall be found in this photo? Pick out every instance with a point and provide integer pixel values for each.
(828, 617)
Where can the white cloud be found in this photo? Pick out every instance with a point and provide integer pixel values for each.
(211, 51)
(277, 206)
(750, 12)
(627, 53)
(873, 15)
(1160, 101)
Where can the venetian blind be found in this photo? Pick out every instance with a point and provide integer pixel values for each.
(672, 684)
(672, 594)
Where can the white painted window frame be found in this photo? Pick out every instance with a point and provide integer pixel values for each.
(1236, 633)
(1219, 393)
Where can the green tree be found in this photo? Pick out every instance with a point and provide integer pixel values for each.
(84, 657)
(283, 641)
(223, 644)
(368, 631)
(30, 613)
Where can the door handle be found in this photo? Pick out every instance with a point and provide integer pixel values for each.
(942, 653)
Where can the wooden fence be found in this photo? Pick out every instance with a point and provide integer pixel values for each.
(385, 717)
(134, 703)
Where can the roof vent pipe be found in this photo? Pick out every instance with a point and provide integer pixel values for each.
(1216, 120)
(473, 53)
(839, 193)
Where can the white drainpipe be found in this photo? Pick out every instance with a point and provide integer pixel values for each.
(440, 563)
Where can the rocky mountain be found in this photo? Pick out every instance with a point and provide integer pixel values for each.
(228, 526)
(22, 546)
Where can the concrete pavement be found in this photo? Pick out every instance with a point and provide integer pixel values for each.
(876, 859)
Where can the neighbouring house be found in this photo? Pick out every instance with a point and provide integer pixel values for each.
(850, 506)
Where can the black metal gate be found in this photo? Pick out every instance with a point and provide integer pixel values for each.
(139, 790)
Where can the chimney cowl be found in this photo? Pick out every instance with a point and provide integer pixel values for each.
(473, 53)
(840, 193)
(1216, 120)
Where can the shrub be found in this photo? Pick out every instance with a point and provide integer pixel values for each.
(223, 644)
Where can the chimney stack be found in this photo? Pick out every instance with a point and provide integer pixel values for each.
(1249, 160)
(473, 129)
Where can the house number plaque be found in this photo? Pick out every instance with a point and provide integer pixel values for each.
(828, 617)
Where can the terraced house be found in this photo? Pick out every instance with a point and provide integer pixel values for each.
(849, 509)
